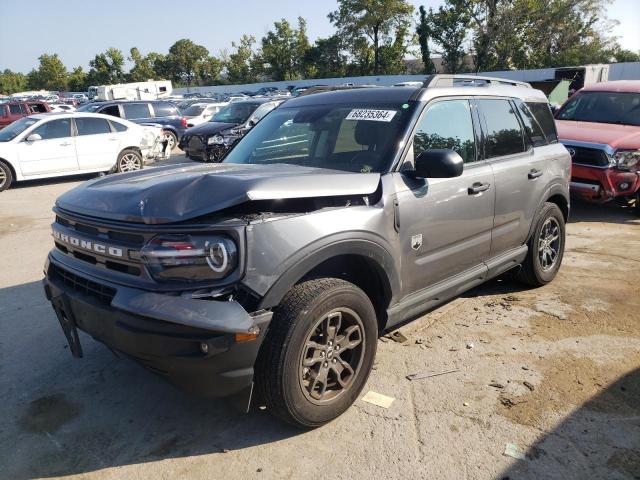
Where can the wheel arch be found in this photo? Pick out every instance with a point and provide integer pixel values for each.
(366, 264)
(11, 167)
(558, 195)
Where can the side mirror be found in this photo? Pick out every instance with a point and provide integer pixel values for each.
(438, 163)
(34, 137)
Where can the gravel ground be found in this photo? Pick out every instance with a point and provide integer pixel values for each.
(555, 371)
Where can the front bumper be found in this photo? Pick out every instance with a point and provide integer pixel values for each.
(164, 333)
(602, 184)
(205, 153)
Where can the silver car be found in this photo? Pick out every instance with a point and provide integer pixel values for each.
(337, 217)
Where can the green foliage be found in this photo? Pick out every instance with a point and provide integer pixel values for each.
(107, 68)
(77, 80)
(243, 65)
(448, 26)
(363, 21)
(186, 62)
(423, 31)
(326, 58)
(144, 67)
(12, 82)
(279, 52)
(51, 73)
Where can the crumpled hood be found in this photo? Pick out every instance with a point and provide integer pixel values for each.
(616, 136)
(180, 192)
(208, 128)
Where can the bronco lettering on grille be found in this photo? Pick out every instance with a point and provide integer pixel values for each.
(88, 245)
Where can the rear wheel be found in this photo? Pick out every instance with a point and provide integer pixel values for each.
(318, 352)
(171, 138)
(129, 161)
(546, 248)
(6, 176)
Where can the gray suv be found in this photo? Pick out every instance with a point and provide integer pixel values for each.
(270, 276)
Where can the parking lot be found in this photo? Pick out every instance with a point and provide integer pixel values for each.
(555, 371)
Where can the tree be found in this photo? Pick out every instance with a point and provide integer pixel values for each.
(284, 50)
(392, 54)
(304, 69)
(185, 61)
(143, 66)
(424, 33)
(372, 20)
(107, 68)
(12, 82)
(78, 80)
(243, 65)
(51, 74)
(327, 58)
(448, 28)
(624, 55)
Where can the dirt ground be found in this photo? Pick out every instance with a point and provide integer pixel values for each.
(554, 371)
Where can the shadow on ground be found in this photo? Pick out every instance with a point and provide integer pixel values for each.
(609, 212)
(599, 440)
(63, 416)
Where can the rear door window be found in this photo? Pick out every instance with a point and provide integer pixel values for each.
(92, 126)
(164, 109)
(112, 110)
(531, 126)
(15, 110)
(133, 111)
(543, 115)
(503, 134)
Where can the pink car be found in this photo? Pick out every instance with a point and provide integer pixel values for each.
(600, 126)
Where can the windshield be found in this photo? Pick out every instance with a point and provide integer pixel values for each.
(193, 110)
(89, 107)
(235, 113)
(602, 107)
(347, 137)
(14, 129)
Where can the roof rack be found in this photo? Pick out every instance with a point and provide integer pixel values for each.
(446, 80)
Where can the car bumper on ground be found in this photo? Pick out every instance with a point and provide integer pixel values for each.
(206, 347)
(603, 184)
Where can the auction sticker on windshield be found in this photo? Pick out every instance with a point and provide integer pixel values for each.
(370, 114)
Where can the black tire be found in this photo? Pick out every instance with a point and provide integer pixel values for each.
(637, 203)
(280, 372)
(533, 272)
(129, 160)
(6, 176)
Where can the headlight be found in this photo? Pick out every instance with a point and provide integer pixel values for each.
(627, 159)
(190, 258)
(215, 140)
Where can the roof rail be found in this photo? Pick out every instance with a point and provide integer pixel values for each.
(448, 80)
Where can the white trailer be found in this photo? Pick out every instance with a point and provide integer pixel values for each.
(151, 90)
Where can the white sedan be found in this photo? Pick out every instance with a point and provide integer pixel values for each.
(57, 144)
(201, 112)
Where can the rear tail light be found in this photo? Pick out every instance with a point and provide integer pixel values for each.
(183, 121)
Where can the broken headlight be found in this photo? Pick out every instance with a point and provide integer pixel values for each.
(627, 159)
(215, 140)
(190, 258)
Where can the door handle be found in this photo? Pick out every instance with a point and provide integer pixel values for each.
(534, 173)
(65, 144)
(113, 139)
(478, 187)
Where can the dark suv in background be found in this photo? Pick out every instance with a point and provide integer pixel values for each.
(157, 112)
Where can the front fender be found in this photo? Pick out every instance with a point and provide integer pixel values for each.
(305, 260)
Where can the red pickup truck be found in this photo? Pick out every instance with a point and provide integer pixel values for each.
(600, 126)
(12, 111)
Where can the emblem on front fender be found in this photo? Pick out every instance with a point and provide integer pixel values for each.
(416, 241)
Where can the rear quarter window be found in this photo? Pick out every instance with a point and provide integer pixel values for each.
(117, 126)
(542, 113)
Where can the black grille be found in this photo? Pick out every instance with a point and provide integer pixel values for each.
(195, 143)
(589, 156)
(100, 292)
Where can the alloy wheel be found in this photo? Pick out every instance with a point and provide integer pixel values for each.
(549, 244)
(130, 162)
(3, 178)
(171, 141)
(332, 355)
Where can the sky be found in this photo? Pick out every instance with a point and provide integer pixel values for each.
(78, 29)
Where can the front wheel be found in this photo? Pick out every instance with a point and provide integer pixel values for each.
(129, 161)
(318, 352)
(546, 248)
(6, 176)
(171, 139)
